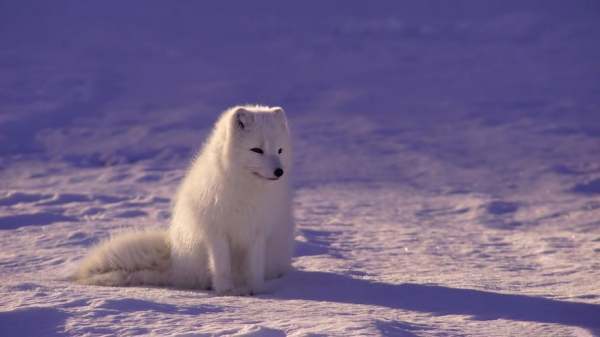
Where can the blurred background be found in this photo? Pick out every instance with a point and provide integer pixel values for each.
(415, 92)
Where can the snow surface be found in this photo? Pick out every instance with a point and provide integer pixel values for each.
(447, 161)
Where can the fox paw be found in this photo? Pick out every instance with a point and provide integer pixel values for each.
(241, 291)
(238, 291)
(223, 286)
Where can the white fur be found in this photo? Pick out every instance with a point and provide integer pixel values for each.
(133, 258)
(232, 224)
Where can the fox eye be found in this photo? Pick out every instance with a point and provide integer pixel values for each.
(279, 151)
(257, 150)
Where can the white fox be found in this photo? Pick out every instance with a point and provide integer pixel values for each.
(232, 224)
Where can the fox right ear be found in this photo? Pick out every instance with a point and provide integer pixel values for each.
(242, 118)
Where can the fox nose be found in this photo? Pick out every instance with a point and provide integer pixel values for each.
(278, 172)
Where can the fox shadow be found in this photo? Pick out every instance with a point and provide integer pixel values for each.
(437, 300)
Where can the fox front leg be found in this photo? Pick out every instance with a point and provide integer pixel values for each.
(255, 266)
(220, 265)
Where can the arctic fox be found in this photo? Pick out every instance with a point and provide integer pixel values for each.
(232, 224)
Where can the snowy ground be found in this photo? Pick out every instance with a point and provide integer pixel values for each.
(447, 162)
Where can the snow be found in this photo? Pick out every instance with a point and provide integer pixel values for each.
(447, 161)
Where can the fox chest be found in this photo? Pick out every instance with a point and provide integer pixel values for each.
(245, 219)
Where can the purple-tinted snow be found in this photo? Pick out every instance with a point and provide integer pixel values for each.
(447, 161)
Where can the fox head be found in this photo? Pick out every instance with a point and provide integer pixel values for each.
(260, 142)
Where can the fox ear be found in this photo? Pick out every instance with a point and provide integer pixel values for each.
(279, 112)
(243, 118)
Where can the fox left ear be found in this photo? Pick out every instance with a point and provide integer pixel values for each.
(243, 118)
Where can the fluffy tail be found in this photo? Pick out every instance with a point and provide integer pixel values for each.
(128, 259)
